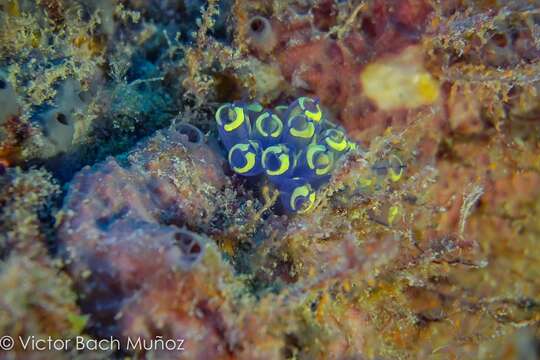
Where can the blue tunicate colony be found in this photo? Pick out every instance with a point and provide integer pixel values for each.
(294, 146)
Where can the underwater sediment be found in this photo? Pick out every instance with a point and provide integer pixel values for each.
(281, 179)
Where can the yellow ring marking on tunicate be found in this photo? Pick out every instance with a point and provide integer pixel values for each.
(249, 156)
(305, 192)
(275, 133)
(250, 163)
(279, 130)
(258, 124)
(335, 145)
(218, 114)
(241, 147)
(314, 140)
(281, 109)
(238, 120)
(306, 133)
(295, 112)
(315, 116)
(311, 203)
(301, 101)
(283, 159)
(327, 168)
(312, 151)
(393, 175)
(310, 155)
(256, 107)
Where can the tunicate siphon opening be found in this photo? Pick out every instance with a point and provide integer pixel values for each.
(190, 247)
(261, 34)
(62, 119)
(258, 24)
(194, 135)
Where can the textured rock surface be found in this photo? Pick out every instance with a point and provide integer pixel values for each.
(121, 218)
(139, 271)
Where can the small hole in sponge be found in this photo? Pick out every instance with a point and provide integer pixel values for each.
(62, 119)
(257, 25)
(190, 247)
(3, 84)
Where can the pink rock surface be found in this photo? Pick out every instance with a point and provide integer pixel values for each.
(123, 226)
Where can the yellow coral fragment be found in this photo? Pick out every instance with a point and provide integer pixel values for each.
(400, 82)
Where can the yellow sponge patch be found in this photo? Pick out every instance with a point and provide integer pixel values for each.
(400, 82)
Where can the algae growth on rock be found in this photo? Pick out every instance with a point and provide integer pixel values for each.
(133, 207)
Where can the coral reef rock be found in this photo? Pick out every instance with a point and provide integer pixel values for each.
(123, 225)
